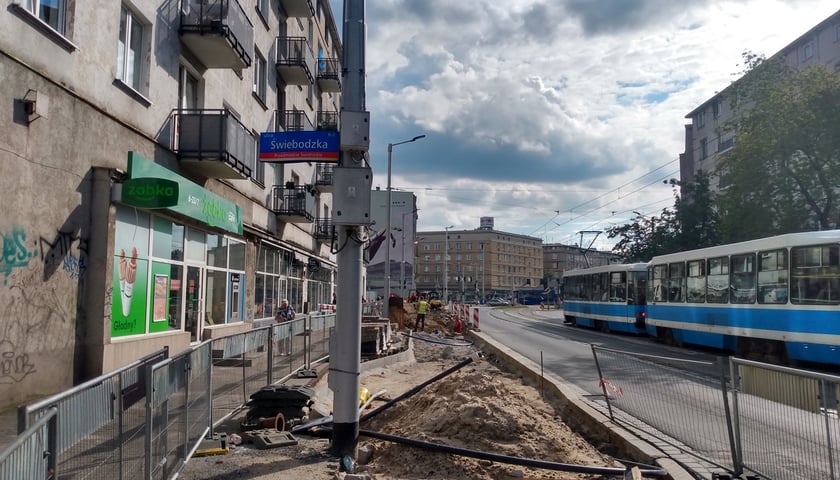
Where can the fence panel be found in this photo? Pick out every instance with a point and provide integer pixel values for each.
(178, 410)
(32, 456)
(684, 399)
(100, 423)
(786, 421)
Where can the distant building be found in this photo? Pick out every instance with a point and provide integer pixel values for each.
(707, 138)
(403, 226)
(559, 258)
(481, 262)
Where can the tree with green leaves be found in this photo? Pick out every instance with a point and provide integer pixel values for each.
(783, 174)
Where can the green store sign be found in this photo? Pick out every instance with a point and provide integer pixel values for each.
(150, 192)
(160, 187)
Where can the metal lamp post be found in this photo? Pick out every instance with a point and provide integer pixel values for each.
(388, 224)
(483, 269)
(446, 264)
(402, 252)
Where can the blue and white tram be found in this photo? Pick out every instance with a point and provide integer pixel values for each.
(772, 298)
(607, 298)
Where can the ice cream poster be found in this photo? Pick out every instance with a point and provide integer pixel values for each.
(131, 273)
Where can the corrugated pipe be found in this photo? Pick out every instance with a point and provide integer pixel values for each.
(416, 389)
(649, 471)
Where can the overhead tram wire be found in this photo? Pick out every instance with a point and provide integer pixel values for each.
(610, 191)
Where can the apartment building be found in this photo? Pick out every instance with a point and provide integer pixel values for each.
(708, 137)
(136, 212)
(483, 262)
(559, 258)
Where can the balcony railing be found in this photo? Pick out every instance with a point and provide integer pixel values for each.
(213, 143)
(218, 33)
(292, 203)
(295, 61)
(327, 120)
(323, 229)
(725, 145)
(329, 74)
(292, 121)
(298, 8)
(324, 177)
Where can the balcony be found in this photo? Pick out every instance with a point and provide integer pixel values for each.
(323, 229)
(329, 75)
(298, 8)
(325, 177)
(218, 33)
(295, 61)
(292, 121)
(213, 143)
(726, 144)
(327, 120)
(292, 203)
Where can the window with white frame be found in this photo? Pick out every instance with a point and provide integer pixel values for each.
(259, 75)
(130, 49)
(51, 12)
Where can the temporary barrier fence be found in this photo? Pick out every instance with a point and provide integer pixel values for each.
(748, 418)
(144, 420)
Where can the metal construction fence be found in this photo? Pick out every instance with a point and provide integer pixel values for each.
(746, 417)
(144, 420)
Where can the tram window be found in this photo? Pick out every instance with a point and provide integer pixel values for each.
(815, 275)
(696, 282)
(636, 288)
(742, 281)
(657, 287)
(618, 290)
(603, 291)
(773, 276)
(717, 280)
(676, 282)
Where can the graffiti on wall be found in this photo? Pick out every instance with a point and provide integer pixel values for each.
(37, 312)
(67, 251)
(14, 365)
(16, 252)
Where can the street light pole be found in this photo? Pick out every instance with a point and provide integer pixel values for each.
(388, 226)
(483, 269)
(446, 265)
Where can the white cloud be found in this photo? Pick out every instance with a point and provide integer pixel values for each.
(532, 107)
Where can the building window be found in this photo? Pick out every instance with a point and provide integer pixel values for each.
(716, 109)
(188, 88)
(808, 50)
(259, 76)
(51, 12)
(258, 172)
(704, 151)
(701, 119)
(262, 8)
(130, 50)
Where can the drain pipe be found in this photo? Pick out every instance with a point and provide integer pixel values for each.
(525, 462)
(416, 389)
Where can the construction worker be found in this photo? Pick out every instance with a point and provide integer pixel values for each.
(421, 314)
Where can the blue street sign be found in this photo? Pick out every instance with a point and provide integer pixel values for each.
(306, 146)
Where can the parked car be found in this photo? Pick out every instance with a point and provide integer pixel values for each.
(498, 302)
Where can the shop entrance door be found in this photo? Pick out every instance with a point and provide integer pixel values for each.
(195, 302)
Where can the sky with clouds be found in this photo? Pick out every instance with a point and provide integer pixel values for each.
(554, 117)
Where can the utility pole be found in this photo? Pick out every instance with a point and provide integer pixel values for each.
(351, 216)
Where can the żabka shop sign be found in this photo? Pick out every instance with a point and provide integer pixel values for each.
(150, 192)
(154, 186)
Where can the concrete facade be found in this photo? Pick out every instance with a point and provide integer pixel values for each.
(73, 116)
(482, 262)
(708, 138)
